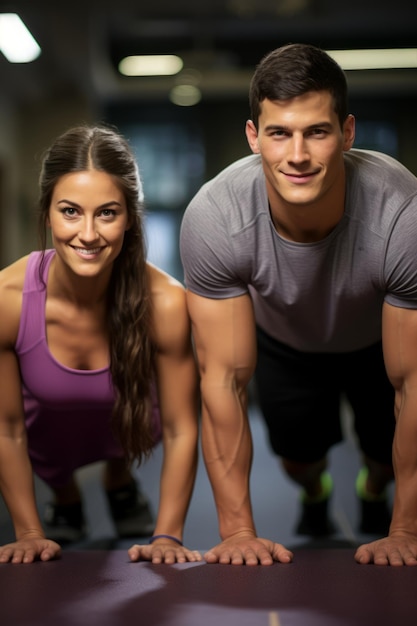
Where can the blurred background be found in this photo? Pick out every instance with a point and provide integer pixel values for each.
(76, 79)
(185, 128)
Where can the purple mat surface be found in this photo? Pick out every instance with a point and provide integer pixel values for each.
(320, 588)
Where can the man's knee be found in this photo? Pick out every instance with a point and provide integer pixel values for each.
(304, 472)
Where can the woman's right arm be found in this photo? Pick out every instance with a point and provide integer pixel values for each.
(16, 478)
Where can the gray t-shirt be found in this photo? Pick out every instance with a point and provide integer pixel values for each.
(324, 296)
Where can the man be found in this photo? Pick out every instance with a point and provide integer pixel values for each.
(301, 260)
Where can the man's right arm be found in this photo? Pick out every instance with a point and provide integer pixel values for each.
(225, 340)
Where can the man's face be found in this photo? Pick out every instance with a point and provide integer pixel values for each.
(301, 145)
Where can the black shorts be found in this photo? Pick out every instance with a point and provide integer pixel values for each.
(299, 394)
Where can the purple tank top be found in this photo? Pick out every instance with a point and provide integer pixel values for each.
(67, 411)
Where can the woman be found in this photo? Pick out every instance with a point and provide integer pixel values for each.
(94, 346)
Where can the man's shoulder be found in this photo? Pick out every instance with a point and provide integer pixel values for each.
(378, 173)
(235, 186)
(363, 158)
(244, 170)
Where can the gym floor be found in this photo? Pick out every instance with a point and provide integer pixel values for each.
(275, 499)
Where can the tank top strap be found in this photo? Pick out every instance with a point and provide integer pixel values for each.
(32, 316)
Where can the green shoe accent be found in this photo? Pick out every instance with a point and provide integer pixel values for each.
(361, 490)
(326, 490)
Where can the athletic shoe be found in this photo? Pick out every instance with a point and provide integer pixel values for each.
(130, 511)
(314, 519)
(375, 517)
(64, 523)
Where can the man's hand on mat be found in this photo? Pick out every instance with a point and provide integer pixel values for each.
(245, 549)
(163, 552)
(397, 549)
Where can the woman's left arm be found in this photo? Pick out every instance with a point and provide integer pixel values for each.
(176, 380)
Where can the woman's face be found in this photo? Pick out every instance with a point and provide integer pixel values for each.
(88, 219)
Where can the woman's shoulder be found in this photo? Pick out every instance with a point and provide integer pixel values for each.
(164, 285)
(12, 279)
(169, 306)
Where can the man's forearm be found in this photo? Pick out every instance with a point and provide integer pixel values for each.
(227, 450)
(404, 517)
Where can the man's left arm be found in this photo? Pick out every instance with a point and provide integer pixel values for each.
(400, 354)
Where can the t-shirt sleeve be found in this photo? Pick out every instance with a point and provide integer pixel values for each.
(206, 250)
(401, 258)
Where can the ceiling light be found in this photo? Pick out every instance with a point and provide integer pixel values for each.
(395, 58)
(16, 42)
(185, 95)
(151, 65)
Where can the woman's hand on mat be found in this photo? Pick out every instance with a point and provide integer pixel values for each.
(163, 551)
(397, 549)
(246, 549)
(29, 550)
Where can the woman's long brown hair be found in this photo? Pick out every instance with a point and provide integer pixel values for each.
(129, 314)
